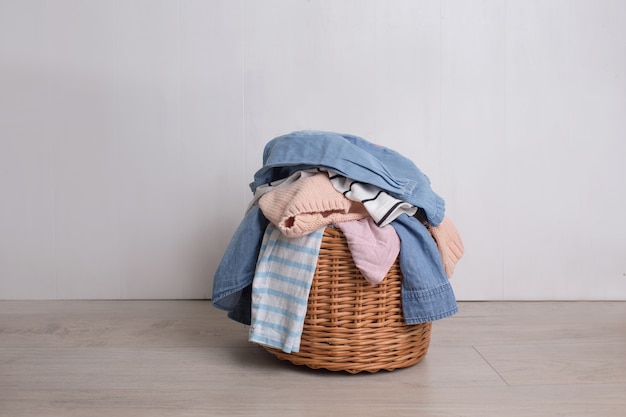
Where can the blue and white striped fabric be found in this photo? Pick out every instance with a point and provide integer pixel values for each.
(281, 287)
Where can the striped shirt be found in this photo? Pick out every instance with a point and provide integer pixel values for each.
(379, 204)
(280, 289)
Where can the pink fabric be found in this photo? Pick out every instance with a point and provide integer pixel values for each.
(449, 244)
(374, 249)
(308, 204)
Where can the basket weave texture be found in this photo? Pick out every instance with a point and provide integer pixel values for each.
(351, 325)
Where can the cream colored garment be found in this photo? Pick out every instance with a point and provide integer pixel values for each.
(308, 204)
(449, 244)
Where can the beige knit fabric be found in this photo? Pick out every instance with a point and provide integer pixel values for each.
(308, 204)
(449, 244)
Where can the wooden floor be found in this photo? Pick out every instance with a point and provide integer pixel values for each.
(185, 358)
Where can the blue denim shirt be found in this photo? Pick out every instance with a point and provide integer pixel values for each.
(426, 293)
(354, 158)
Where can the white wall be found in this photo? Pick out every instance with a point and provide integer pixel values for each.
(129, 131)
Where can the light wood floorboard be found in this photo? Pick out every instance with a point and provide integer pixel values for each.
(185, 358)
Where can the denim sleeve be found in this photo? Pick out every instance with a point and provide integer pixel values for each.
(235, 272)
(426, 292)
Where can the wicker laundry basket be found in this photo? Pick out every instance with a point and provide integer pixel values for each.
(352, 325)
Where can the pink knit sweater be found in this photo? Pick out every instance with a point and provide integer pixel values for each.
(308, 204)
(449, 244)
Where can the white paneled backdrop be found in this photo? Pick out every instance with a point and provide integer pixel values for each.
(130, 129)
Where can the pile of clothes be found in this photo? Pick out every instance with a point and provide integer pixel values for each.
(379, 199)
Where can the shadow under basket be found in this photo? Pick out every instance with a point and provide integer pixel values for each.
(354, 326)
